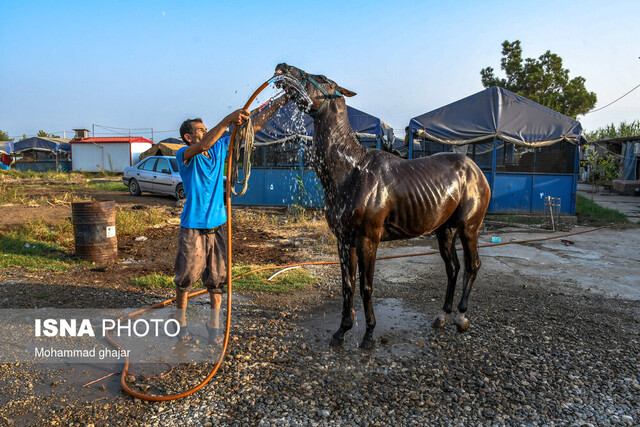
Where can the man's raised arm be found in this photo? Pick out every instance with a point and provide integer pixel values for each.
(238, 117)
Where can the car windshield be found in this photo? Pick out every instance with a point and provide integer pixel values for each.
(174, 164)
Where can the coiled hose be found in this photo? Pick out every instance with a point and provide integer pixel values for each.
(243, 143)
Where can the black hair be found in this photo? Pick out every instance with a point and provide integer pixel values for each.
(186, 128)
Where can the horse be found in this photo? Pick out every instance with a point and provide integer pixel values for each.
(373, 196)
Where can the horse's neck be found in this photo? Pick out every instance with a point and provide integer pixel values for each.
(336, 147)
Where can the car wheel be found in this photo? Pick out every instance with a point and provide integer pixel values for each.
(134, 187)
(180, 192)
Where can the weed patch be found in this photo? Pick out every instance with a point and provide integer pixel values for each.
(256, 282)
(282, 283)
(154, 280)
(31, 255)
(13, 194)
(107, 186)
(593, 214)
(38, 231)
(10, 195)
(133, 222)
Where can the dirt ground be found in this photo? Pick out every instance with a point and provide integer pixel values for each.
(253, 243)
(594, 273)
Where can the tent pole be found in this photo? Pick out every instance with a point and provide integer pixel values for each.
(576, 172)
(493, 172)
(410, 143)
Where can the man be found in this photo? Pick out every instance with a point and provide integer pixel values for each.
(202, 237)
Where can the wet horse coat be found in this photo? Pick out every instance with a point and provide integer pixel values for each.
(373, 196)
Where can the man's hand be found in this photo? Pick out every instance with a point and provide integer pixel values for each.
(238, 117)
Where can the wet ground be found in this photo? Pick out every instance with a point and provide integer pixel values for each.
(553, 339)
(605, 260)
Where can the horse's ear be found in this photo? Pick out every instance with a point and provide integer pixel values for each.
(345, 92)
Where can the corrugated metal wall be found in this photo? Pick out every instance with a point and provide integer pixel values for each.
(90, 157)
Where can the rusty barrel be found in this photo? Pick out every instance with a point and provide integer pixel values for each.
(94, 227)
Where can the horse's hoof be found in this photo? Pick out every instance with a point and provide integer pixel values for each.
(336, 341)
(462, 325)
(437, 322)
(367, 344)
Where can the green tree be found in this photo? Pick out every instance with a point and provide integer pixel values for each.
(542, 80)
(43, 134)
(602, 167)
(624, 129)
(4, 136)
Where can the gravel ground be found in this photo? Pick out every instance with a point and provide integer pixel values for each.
(551, 358)
(539, 352)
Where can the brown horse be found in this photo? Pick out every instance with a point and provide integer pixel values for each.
(373, 196)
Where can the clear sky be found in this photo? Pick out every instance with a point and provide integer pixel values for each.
(152, 64)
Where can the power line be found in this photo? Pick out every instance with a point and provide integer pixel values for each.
(606, 149)
(601, 108)
(113, 127)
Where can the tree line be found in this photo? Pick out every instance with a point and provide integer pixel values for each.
(4, 136)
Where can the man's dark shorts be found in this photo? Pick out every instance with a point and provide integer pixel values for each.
(202, 254)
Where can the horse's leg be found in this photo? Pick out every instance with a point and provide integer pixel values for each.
(348, 269)
(469, 239)
(447, 245)
(366, 250)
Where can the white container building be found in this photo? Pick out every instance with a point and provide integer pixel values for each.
(111, 154)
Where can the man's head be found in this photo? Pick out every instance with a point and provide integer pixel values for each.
(192, 131)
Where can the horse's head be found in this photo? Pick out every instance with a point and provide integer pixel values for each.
(319, 89)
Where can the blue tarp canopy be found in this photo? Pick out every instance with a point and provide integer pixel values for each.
(496, 113)
(52, 145)
(629, 159)
(6, 146)
(289, 123)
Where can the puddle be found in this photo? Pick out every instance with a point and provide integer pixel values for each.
(397, 325)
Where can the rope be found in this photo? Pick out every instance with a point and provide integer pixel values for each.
(244, 140)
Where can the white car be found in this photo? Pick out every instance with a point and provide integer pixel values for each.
(154, 174)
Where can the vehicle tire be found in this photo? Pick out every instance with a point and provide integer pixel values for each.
(134, 187)
(180, 192)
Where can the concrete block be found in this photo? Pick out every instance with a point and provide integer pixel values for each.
(626, 188)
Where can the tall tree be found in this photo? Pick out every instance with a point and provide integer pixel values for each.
(4, 136)
(542, 80)
(624, 129)
(43, 134)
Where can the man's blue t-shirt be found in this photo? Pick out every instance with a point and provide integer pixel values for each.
(203, 187)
